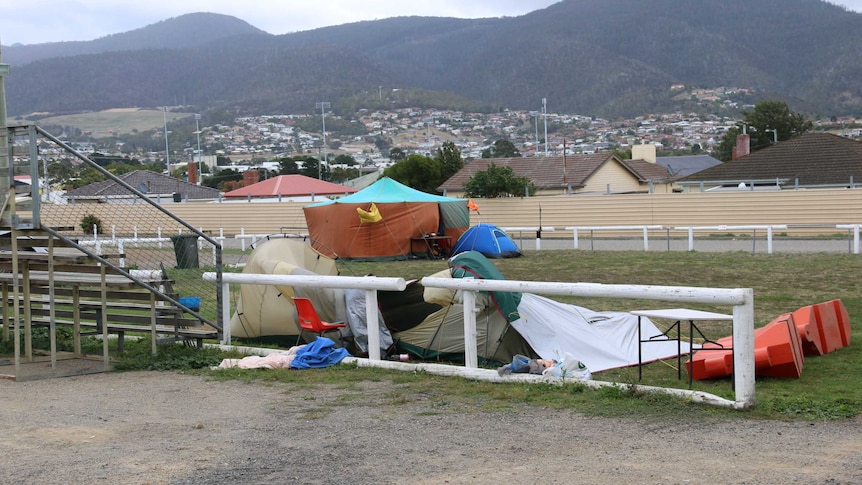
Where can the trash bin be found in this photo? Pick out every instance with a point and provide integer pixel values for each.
(186, 249)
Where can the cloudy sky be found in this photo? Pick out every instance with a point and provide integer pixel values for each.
(35, 21)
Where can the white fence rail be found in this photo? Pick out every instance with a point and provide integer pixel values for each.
(248, 239)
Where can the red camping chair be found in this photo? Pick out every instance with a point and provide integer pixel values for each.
(310, 321)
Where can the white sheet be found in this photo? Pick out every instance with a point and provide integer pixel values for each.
(610, 341)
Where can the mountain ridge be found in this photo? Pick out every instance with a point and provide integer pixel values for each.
(605, 58)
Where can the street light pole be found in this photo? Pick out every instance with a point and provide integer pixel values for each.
(323, 105)
(198, 133)
(167, 150)
(545, 115)
(535, 115)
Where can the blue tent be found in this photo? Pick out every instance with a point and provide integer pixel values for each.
(489, 240)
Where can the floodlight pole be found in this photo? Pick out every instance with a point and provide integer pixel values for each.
(198, 133)
(545, 115)
(535, 115)
(167, 151)
(322, 105)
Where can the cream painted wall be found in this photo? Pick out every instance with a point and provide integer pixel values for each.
(792, 207)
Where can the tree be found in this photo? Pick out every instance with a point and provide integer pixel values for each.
(498, 182)
(397, 154)
(450, 158)
(344, 160)
(774, 115)
(417, 171)
(767, 116)
(501, 148)
(287, 166)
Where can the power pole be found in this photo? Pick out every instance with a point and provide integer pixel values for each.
(323, 105)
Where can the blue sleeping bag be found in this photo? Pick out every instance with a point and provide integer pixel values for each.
(318, 354)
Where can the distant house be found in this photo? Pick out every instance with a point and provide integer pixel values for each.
(812, 160)
(599, 173)
(159, 187)
(289, 187)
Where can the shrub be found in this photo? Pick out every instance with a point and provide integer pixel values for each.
(88, 221)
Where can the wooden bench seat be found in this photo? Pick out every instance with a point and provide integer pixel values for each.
(120, 329)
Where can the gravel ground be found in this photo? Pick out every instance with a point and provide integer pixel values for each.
(154, 428)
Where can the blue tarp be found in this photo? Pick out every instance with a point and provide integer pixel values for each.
(318, 354)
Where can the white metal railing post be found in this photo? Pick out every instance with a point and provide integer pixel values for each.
(575, 236)
(743, 351)
(373, 325)
(646, 239)
(769, 239)
(856, 239)
(121, 250)
(471, 349)
(225, 309)
(691, 239)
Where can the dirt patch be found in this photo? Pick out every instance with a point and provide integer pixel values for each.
(149, 427)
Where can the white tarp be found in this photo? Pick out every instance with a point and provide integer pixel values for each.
(601, 340)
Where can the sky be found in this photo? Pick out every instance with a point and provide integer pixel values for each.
(35, 21)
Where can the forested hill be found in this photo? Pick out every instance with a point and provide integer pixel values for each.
(601, 57)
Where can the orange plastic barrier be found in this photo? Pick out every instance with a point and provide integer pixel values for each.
(824, 327)
(777, 353)
(714, 364)
(806, 325)
(778, 349)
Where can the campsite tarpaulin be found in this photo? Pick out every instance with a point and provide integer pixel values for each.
(339, 228)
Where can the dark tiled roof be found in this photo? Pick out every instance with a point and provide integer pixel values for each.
(685, 165)
(554, 172)
(157, 183)
(812, 158)
(646, 171)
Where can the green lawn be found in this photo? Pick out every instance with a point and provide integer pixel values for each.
(830, 386)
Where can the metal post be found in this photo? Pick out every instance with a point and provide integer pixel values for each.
(545, 115)
(198, 132)
(373, 325)
(167, 150)
(471, 350)
(322, 105)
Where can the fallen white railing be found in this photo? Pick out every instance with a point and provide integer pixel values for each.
(742, 300)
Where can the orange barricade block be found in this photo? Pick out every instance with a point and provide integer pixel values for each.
(713, 364)
(806, 325)
(777, 353)
(843, 321)
(778, 349)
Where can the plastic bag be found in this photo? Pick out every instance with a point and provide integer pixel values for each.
(569, 368)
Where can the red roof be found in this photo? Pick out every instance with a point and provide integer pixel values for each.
(290, 186)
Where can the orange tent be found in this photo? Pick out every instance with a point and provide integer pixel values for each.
(382, 221)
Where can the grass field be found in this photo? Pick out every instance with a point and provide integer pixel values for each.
(830, 387)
